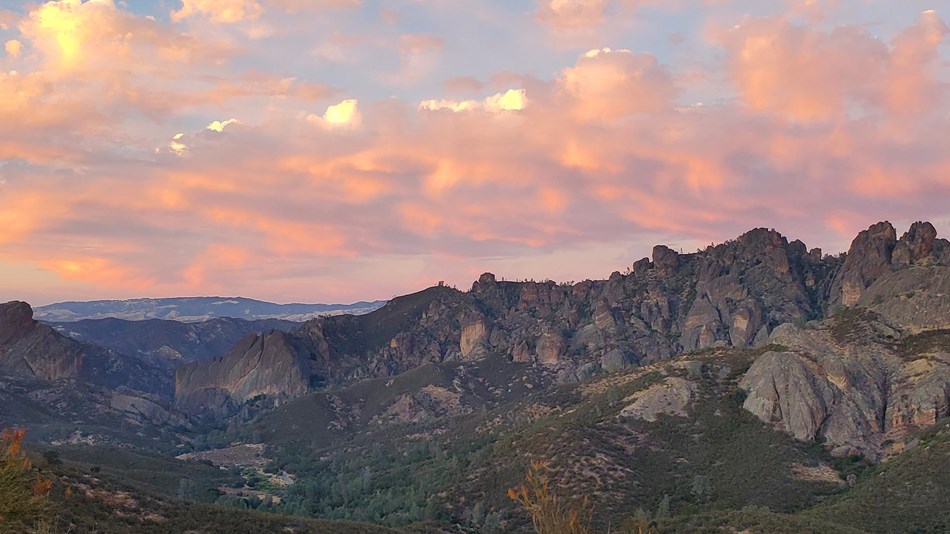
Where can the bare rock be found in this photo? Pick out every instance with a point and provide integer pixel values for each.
(552, 347)
(786, 388)
(671, 397)
(473, 340)
(665, 259)
(616, 360)
(868, 258)
(914, 299)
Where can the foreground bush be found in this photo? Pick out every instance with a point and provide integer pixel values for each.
(549, 513)
(22, 492)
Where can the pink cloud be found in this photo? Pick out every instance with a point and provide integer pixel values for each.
(323, 192)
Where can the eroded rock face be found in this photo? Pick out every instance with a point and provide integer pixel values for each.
(729, 295)
(665, 259)
(786, 388)
(853, 382)
(551, 347)
(616, 360)
(915, 245)
(473, 340)
(273, 364)
(34, 350)
(671, 397)
(868, 258)
(876, 252)
(913, 299)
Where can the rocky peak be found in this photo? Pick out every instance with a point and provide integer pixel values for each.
(486, 280)
(32, 349)
(16, 319)
(760, 240)
(877, 251)
(917, 243)
(868, 258)
(665, 259)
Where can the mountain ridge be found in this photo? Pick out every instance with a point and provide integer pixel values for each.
(194, 309)
(729, 295)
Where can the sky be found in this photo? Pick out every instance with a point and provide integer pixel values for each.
(340, 150)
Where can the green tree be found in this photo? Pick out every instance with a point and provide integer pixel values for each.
(51, 457)
(663, 510)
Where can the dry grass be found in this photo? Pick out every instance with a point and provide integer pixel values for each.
(549, 513)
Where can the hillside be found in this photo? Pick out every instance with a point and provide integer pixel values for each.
(753, 386)
(730, 295)
(31, 349)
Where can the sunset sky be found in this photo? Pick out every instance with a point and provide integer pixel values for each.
(339, 150)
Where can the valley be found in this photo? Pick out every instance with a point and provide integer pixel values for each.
(755, 385)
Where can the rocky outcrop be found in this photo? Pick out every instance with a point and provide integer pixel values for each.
(430, 402)
(853, 382)
(34, 350)
(473, 339)
(670, 397)
(913, 299)
(877, 251)
(790, 389)
(142, 408)
(729, 295)
(274, 364)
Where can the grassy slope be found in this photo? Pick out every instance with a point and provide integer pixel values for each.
(908, 493)
(438, 470)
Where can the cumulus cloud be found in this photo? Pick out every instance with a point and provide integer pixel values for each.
(343, 114)
(609, 83)
(13, 47)
(510, 100)
(219, 126)
(550, 167)
(219, 11)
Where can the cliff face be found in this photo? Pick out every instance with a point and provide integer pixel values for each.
(274, 364)
(863, 379)
(33, 350)
(166, 343)
(731, 295)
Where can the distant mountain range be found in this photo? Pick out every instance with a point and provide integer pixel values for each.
(195, 309)
(753, 386)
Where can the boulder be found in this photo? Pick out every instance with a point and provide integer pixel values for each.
(671, 397)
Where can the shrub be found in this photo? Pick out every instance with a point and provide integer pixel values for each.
(549, 514)
(22, 492)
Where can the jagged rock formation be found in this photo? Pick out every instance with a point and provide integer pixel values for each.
(34, 350)
(730, 295)
(877, 251)
(862, 380)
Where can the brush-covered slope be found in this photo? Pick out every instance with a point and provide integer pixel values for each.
(730, 295)
(119, 491)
